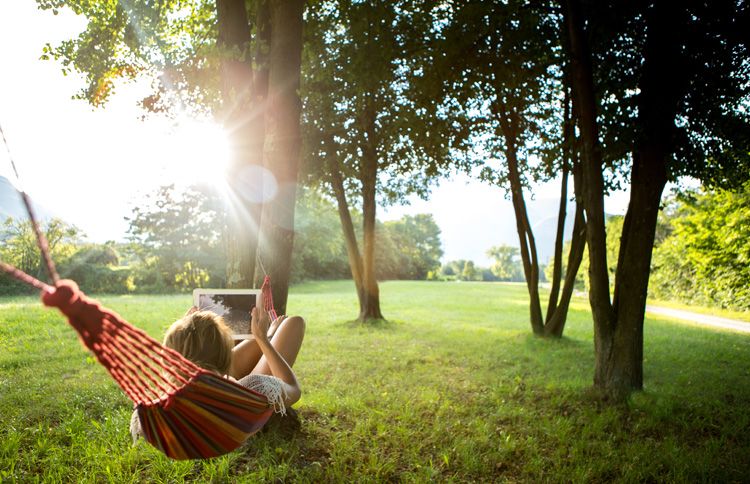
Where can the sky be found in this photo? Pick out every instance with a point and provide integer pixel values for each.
(91, 166)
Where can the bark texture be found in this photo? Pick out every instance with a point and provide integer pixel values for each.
(618, 324)
(350, 237)
(242, 96)
(370, 306)
(282, 144)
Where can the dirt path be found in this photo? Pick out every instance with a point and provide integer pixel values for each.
(701, 319)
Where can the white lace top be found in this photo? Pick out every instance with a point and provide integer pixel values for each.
(270, 386)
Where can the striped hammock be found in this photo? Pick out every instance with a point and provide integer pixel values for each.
(185, 412)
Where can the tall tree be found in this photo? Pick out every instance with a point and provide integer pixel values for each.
(692, 81)
(282, 144)
(176, 237)
(244, 90)
(368, 141)
(19, 245)
(500, 60)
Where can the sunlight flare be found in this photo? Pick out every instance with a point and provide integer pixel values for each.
(195, 152)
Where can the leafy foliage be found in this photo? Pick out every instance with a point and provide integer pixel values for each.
(498, 67)
(360, 97)
(706, 258)
(96, 269)
(172, 43)
(319, 251)
(507, 263)
(415, 246)
(18, 247)
(179, 239)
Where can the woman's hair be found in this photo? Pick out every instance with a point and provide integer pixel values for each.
(203, 338)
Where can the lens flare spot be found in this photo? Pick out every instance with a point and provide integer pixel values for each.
(255, 184)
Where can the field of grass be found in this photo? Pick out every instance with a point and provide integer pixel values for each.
(452, 388)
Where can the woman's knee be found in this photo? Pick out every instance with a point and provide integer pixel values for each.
(295, 323)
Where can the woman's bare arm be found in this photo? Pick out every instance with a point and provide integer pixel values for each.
(259, 323)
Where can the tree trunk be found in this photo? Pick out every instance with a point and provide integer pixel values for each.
(593, 194)
(661, 89)
(561, 214)
(523, 227)
(350, 237)
(528, 246)
(282, 144)
(556, 322)
(371, 306)
(593, 182)
(621, 370)
(554, 292)
(618, 326)
(241, 99)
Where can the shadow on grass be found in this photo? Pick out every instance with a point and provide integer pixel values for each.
(284, 427)
(302, 439)
(372, 324)
(538, 342)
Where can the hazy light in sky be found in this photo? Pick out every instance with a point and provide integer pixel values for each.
(88, 166)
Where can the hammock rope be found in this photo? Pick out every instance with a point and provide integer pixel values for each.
(184, 410)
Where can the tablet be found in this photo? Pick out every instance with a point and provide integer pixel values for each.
(233, 305)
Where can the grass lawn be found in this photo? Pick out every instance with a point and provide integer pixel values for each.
(452, 388)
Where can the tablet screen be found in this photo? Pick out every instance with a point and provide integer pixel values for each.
(233, 308)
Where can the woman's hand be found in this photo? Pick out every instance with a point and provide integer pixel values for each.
(275, 325)
(259, 323)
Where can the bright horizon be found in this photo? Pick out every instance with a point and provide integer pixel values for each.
(90, 166)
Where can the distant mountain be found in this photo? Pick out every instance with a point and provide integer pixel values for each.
(12, 206)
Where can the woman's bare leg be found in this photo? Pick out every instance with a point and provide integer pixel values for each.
(287, 340)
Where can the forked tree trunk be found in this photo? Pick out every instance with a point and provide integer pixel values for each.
(554, 292)
(618, 326)
(245, 128)
(282, 144)
(554, 324)
(523, 227)
(562, 212)
(619, 367)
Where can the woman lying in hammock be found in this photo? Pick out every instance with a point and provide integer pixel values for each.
(262, 363)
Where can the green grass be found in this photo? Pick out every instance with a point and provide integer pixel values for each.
(452, 388)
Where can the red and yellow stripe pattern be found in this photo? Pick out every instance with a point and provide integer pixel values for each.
(208, 417)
